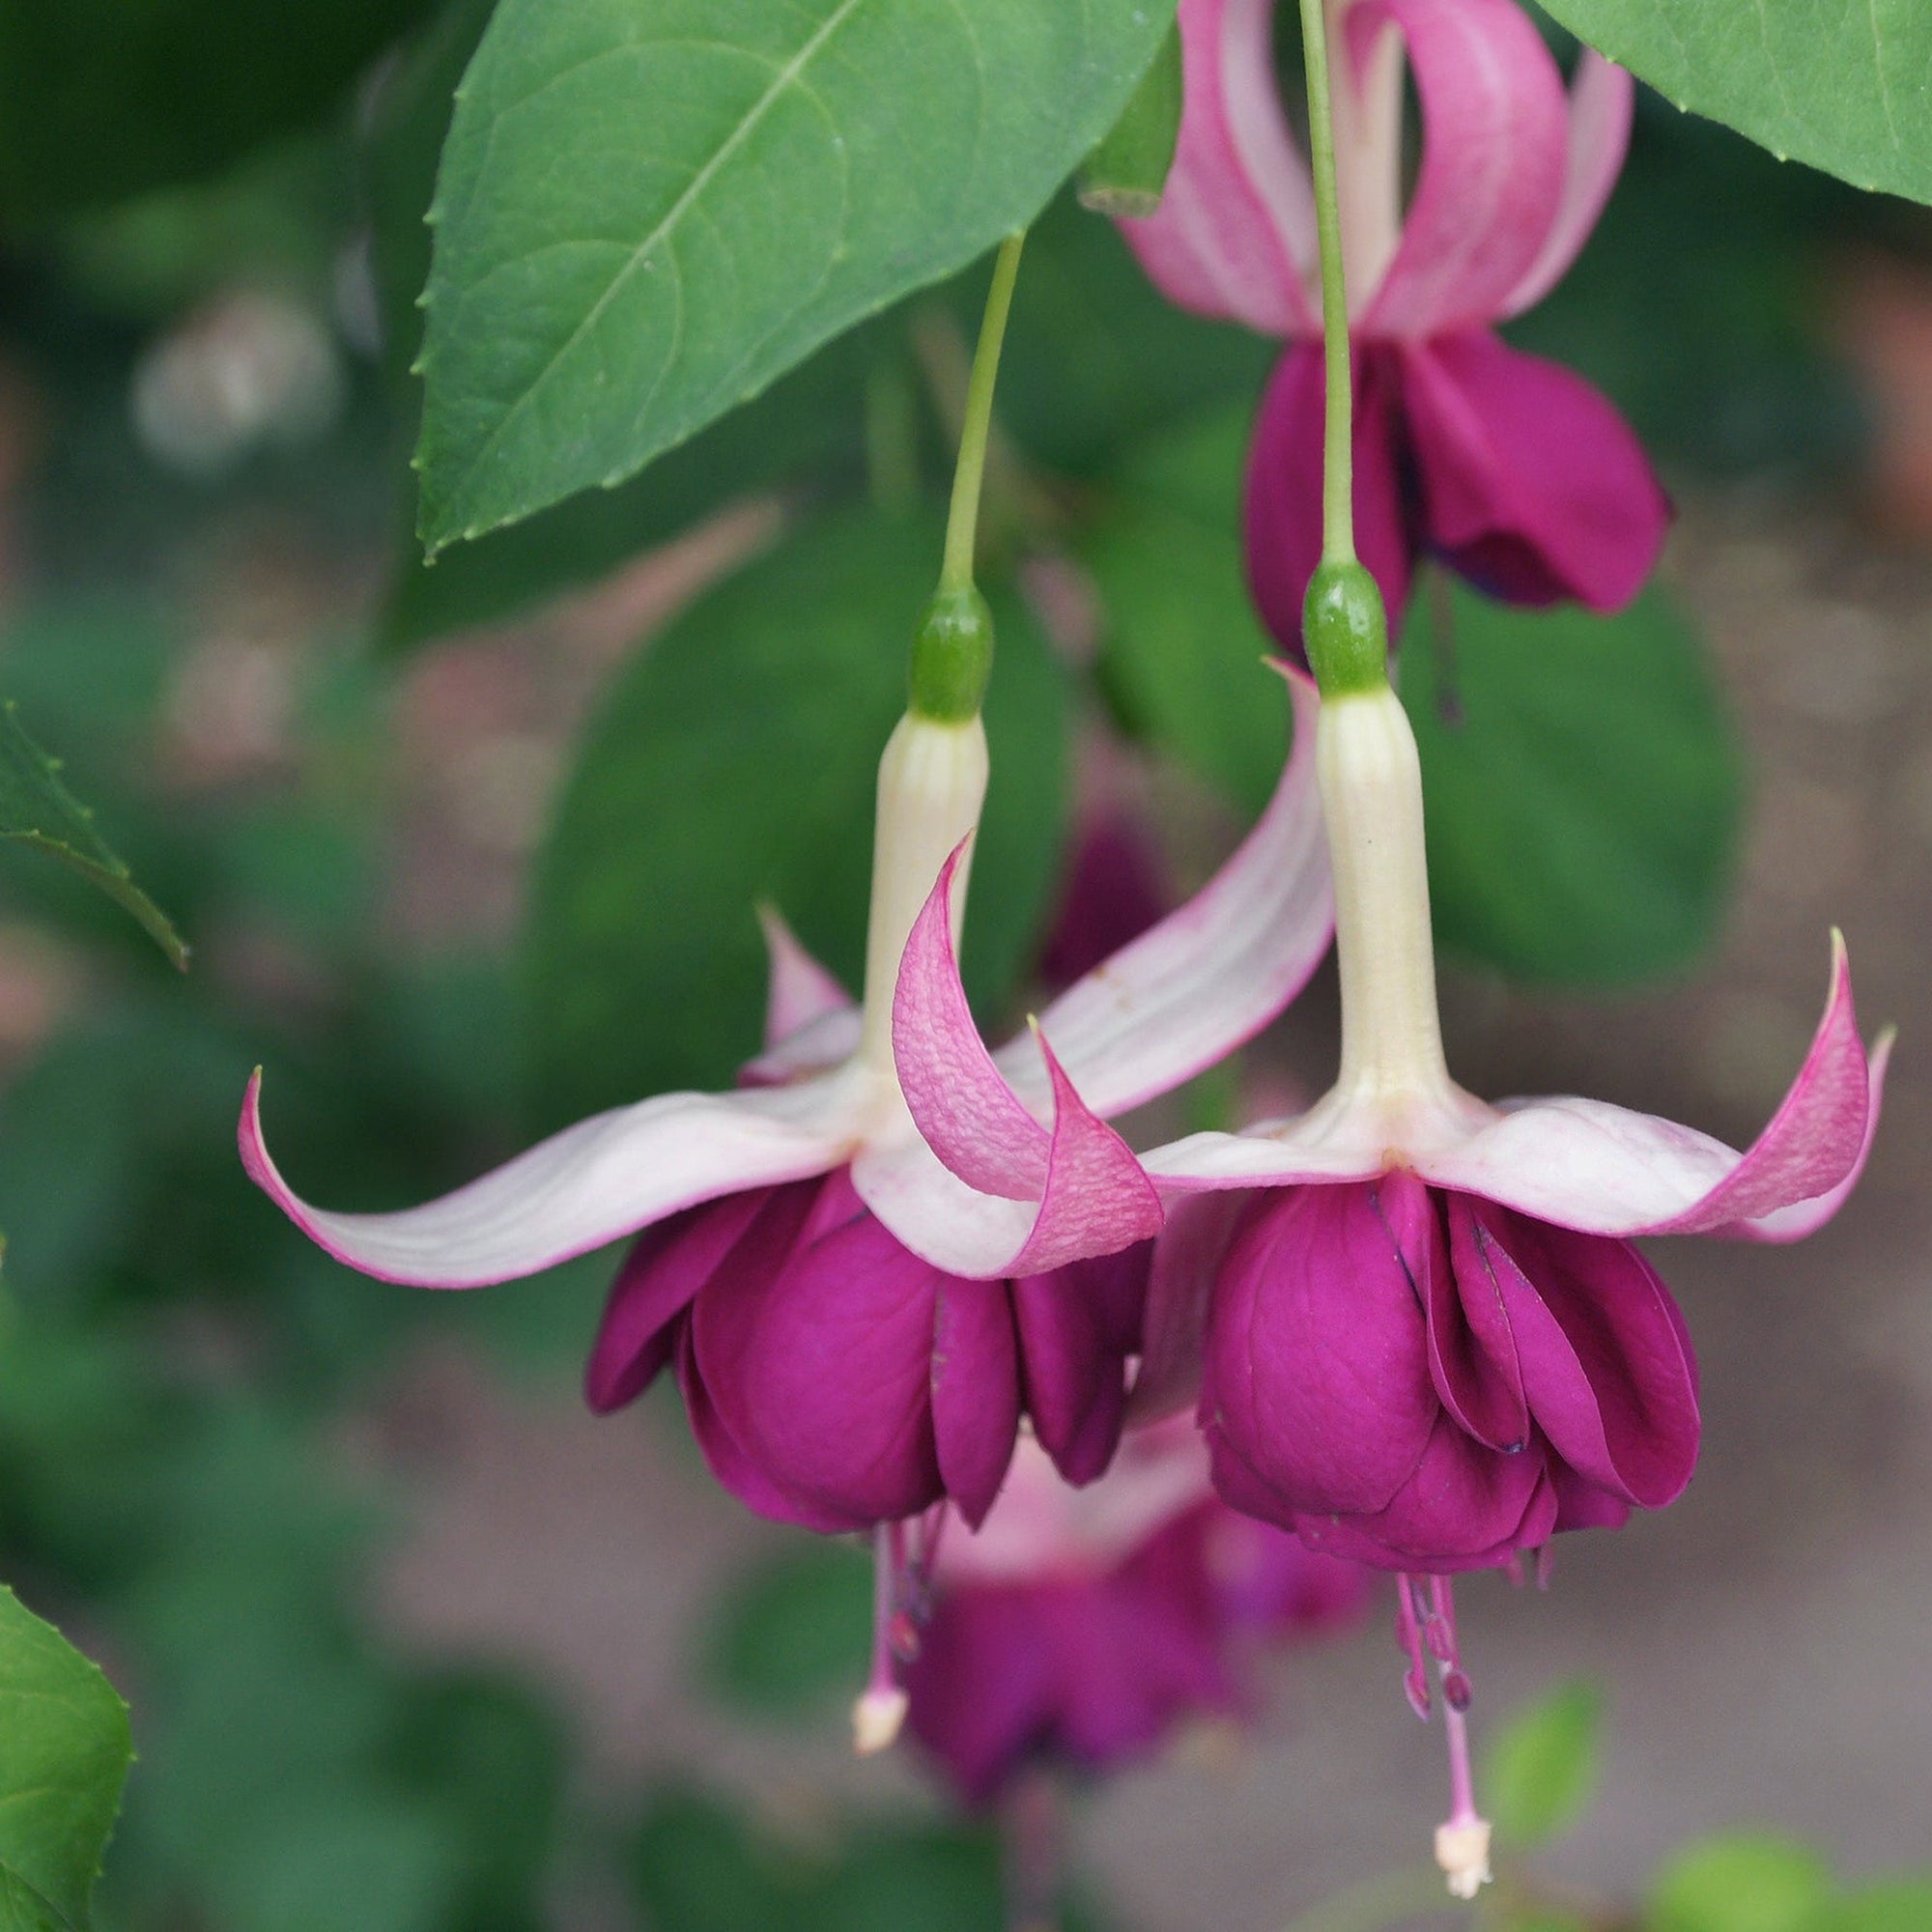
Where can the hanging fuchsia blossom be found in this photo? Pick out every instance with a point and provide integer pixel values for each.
(1511, 469)
(1427, 1341)
(1423, 1337)
(1081, 1626)
(856, 1332)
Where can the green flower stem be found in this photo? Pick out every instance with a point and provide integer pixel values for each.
(1338, 506)
(952, 652)
(1344, 623)
(962, 525)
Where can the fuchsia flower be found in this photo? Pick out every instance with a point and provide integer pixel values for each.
(1510, 468)
(1426, 1340)
(856, 1332)
(1081, 1626)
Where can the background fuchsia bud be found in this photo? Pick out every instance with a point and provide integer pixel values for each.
(1510, 469)
(1427, 1382)
(1081, 1629)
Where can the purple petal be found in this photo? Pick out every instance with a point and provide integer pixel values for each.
(732, 1468)
(1472, 1351)
(1077, 1328)
(1493, 160)
(1317, 1366)
(1209, 975)
(1187, 1261)
(1465, 1507)
(1604, 1170)
(1582, 1505)
(1531, 484)
(666, 1267)
(1601, 101)
(1234, 233)
(594, 1183)
(1282, 510)
(975, 1392)
(820, 1366)
(1604, 1362)
(982, 1687)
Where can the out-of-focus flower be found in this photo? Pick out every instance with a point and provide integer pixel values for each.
(1081, 1626)
(251, 370)
(1511, 469)
(1114, 891)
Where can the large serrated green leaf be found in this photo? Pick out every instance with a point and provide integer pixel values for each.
(647, 210)
(1845, 85)
(39, 811)
(65, 1749)
(735, 761)
(1582, 783)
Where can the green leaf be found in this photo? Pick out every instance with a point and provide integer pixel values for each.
(809, 423)
(65, 1749)
(1745, 1882)
(1185, 654)
(39, 811)
(941, 1878)
(734, 761)
(1846, 88)
(1890, 1905)
(1128, 172)
(1543, 1766)
(99, 100)
(647, 210)
(697, 1866)
(1583, 781)
(791, 1634)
